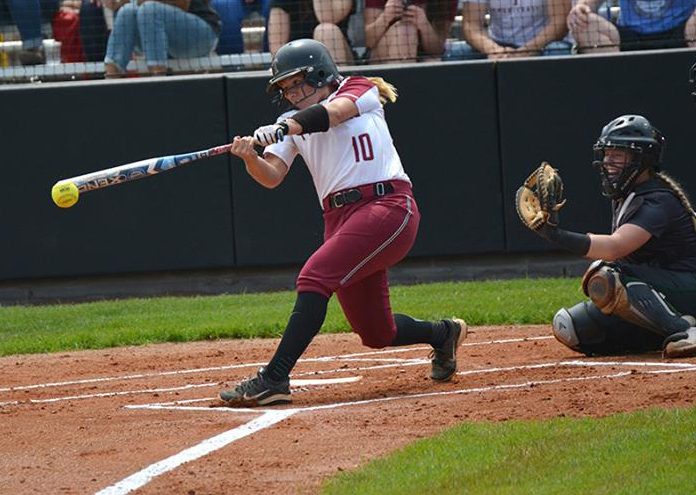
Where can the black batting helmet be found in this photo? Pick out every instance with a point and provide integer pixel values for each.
(633, 133)
(306, 56)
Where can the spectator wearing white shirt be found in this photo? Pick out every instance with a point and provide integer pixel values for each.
(517, 28)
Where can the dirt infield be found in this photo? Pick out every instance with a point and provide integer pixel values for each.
(146, 419)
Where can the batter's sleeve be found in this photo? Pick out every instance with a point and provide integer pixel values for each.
(361, 91)
(285, 150)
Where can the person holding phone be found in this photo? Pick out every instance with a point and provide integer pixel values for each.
(407, 30)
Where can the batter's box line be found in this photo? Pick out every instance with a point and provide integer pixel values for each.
(680, 369)
(138, 376)
(269, 417)
(506, 386)
(585, 364)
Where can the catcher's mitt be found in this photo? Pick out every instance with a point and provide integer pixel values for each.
(540, 197)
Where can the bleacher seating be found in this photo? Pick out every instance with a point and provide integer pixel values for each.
(253, 33)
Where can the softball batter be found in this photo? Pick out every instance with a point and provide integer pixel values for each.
(371, 218)
(642, 286)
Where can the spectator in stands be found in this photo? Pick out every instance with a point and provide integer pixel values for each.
(29, 15)
(94, 32)
(516, 28)
(333, 18)
(233, 13)
(323, 20)
(407, 30)
(290, 20)
(181, 29)
(642, 25)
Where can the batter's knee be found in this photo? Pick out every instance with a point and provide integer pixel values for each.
(306, 283)
(376, 338)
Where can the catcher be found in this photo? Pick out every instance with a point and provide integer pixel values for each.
(642, 284)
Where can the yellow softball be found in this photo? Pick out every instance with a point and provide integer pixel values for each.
(65, 194)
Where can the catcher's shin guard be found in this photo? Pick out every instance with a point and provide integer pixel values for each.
(576, 329)
(635, 301)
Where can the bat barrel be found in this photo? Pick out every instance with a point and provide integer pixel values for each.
(138, 170)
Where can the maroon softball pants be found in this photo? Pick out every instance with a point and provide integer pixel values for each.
(361, 241)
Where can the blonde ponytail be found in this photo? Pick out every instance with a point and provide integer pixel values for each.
(387, 92)
(679, 191)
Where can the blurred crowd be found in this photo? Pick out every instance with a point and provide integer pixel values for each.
(116, 32)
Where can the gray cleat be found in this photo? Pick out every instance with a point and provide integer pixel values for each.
(444, 358)
(258, 391)
(681, 345)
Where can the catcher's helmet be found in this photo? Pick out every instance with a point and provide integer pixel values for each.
(305, 56)
(635, 134)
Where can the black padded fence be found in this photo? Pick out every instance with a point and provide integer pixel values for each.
(178, 220)
(468, 134)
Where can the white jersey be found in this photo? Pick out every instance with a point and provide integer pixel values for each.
(515, 22)
(355, 152)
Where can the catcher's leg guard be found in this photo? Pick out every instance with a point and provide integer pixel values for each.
(584, 328)
(577, 329)
(634, 301)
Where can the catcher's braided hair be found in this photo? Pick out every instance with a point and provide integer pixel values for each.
(387, 92)
(679, 191)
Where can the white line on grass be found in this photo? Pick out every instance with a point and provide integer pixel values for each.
(143, 477)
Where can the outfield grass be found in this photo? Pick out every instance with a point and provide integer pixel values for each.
(34, 329)
(650, 452)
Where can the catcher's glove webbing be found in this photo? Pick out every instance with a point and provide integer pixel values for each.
(540, 197)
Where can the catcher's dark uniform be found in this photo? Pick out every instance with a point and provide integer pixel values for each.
(667, 263)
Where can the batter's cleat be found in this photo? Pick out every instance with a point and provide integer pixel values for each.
(444, 358)
(258, 391)
(680, 345)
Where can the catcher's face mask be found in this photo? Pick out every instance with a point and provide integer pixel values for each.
(634, 137)
(619, 165)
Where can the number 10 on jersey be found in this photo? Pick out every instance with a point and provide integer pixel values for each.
(362, 148)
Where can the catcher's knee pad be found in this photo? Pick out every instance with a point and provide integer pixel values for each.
(633, 301)
(577, 329)
(603, 285)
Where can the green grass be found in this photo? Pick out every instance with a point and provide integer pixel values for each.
(643, 453)
(34, 329)
(649, 452)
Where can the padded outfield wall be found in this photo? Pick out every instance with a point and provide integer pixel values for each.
(468, 134)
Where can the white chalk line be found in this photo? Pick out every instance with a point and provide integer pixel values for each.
(393, 363)
(507, 386)
(586, 364)
(139, 376)
(328, 381)
(143, 477)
